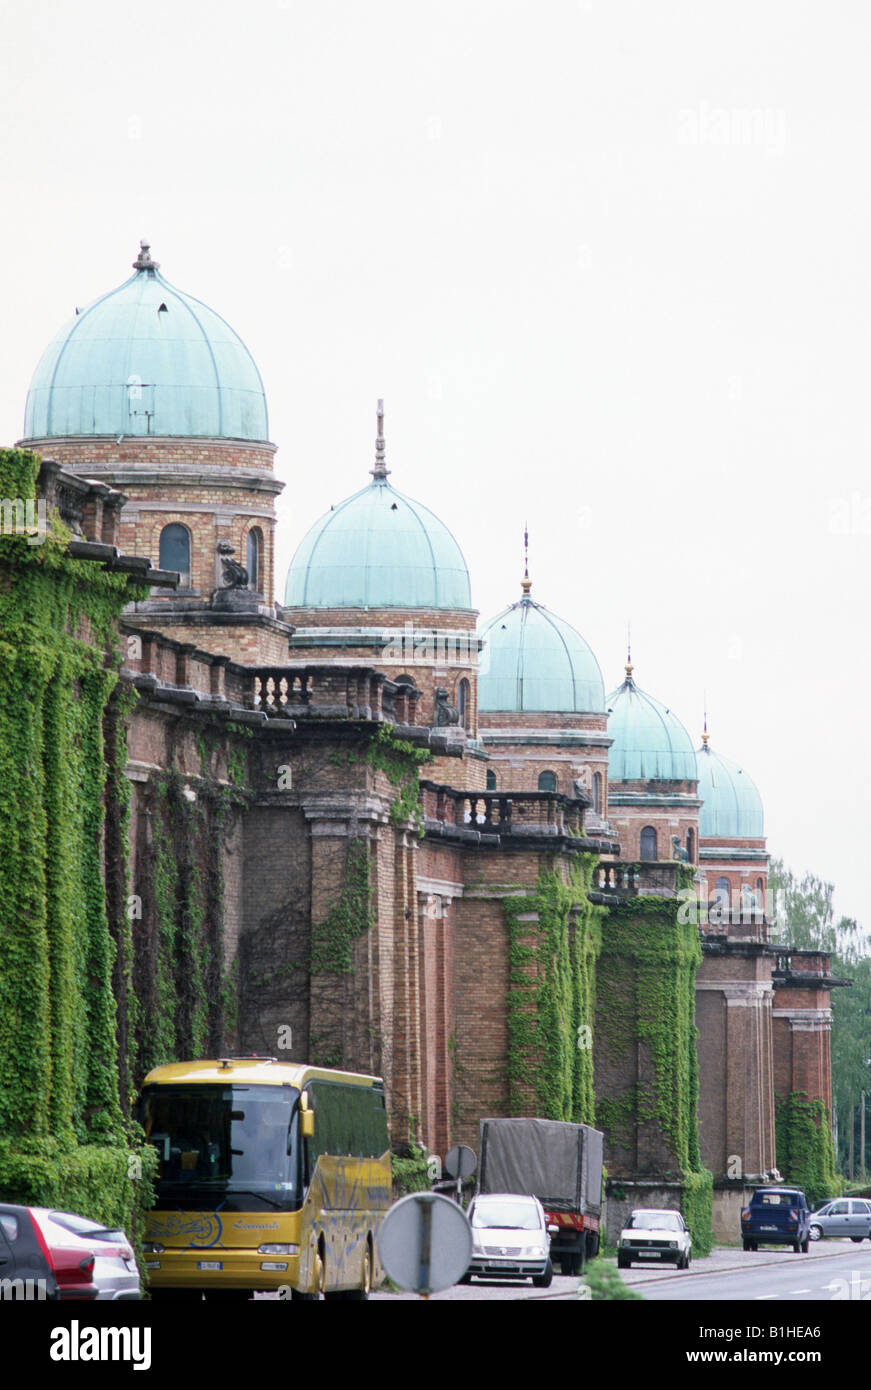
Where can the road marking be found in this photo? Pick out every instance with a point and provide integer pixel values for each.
(795, 1291)
(761, 1297)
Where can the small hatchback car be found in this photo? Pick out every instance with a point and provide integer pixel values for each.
(510, 1239)
(650, 1236)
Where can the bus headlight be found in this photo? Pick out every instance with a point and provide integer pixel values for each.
(278, 1249)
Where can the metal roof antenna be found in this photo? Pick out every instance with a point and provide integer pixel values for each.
(380, 471)
(526, 582)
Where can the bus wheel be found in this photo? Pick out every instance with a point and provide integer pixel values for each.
(363, 1292)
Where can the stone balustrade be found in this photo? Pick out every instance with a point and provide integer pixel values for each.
(501, 813)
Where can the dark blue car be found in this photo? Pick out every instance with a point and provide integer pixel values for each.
(776, 1216)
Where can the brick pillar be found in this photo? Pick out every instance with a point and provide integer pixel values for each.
(749, 1103)
(407, 1096)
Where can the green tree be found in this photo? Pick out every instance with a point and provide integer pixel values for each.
(805, 917)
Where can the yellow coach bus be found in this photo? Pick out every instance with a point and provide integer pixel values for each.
(272, 1176)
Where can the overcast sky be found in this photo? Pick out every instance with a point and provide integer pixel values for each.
(608, 265)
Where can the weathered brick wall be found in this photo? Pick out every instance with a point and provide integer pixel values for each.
(219, 489)
(736, 1100)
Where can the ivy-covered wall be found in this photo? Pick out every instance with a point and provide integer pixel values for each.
(645, 1052)
(63, 1134)
(185, 988)
(805, 1150)
(554, 940)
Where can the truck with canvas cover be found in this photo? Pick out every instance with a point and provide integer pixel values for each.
(561, 1165)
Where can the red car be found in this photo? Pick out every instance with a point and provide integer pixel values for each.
(55, 1255)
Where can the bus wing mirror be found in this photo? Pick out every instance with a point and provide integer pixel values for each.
(307, 1124)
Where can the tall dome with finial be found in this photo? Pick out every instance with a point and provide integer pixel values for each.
(378, 549)
(731, 804)
(652, 777)
(541, 704)
(146, 359)
(151, 392)
(534, 661)
(650, 742)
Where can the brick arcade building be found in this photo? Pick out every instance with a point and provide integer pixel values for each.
(450, 924)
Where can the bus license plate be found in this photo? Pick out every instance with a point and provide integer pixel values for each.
(210, 1264)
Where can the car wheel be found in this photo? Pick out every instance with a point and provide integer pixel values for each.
(689, 1259)
(815, 1232)
(543, 1281)
(857, 1240)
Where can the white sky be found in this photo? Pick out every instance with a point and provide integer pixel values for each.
(606, 262)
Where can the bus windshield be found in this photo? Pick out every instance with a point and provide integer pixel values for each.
(234, 1147)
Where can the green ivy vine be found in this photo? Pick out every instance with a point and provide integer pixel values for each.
(352, 914)
(551, 995)
(804, 1145)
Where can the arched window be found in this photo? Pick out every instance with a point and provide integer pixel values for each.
(464, 699)
(691, 847)
(491, 780)
(648, 842)
(254, 555)
(597, 793)
(723, 894)
(175, 551)
(547, 781)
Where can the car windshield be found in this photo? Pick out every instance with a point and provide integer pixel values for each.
(506, 1216)
(776, 1199)
(224, 1145)
(654, 1221)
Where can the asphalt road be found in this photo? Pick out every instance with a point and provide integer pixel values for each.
(831, 1271)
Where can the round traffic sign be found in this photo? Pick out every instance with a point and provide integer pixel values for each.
(460, 1162)
(425, 1242)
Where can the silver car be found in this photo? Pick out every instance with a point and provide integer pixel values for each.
(847, 1216)
(510, 1239)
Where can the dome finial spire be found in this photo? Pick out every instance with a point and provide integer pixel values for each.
(526, 582)
(143, 260)
(705, 735)
(380, 471)
(629, 666)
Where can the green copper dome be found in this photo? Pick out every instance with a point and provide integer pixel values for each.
(378, 549)
(533, 661)
(732, 807)
(146, 359)
(650, 743)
